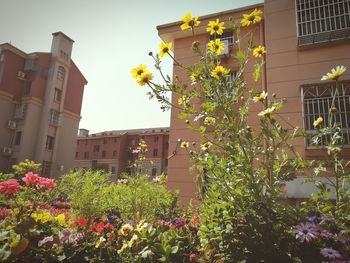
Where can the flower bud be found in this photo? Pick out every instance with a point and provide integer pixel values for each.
(274, 95)
(150, 53)
(187, 122)
(195, 44)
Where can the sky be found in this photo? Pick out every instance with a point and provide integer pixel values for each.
(111, 37)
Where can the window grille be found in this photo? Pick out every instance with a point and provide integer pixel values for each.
(55, 118)
(225, 36)
(46, 168)
(20, 111)
(317, 100)
(322, 20)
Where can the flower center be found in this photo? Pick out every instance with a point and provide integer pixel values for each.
(216, 46)
(216, 28)
(145, 79)
(139, 72)
(305, 232)
(219, 73)
(165, 50)
(191, 23)
(251, 18)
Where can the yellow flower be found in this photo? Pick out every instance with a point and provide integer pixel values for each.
(209, 121)
(142, 225)
(261, 97)
(216, 46)
(335, 73)
(61, 220)
(99, 242)
(41, 216)
(164, 48)
(121, 250)
(126, 229)
(189, 22)
(132, 240)
(206, 146)
(138, 71)
(184, 144)
(267, 112)
(144, 78)
(219, 72)
(215, 27)
(259, 51)
(252, 18)
(318, 121)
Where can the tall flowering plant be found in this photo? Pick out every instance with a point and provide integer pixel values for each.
(240, 169)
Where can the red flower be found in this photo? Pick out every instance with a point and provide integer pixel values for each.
(46, 183)
(31, 178)
(9, 187)
(100, 227)
(192, 257)
(81, 221)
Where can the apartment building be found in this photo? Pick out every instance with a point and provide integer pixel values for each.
(114, 151)
(304, 40)
(41, 95)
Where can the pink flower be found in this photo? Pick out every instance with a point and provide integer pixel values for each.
(135, 151)
(31, 178)
(9, 187)
(46, 183)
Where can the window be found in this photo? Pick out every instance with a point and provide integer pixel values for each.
(20, 111)
(18, 138)
(113, 169)
(61, 73)
(156, 138)
(105, 140)
(50, 141)
(165, 162)
(114, 153)
(322, 20)
(167, 145)
(317, 99)
(228, 89)
(46, 169)
(225, 36)
(154, 171)
(76, 155)
(115, 140)
(86, 142)
(55, 118)
(58, 95)
(155, 152)
(103, 154)
(86, 155)
(27, 88)
(96, 148)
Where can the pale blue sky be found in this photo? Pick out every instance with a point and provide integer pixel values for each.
(111, 37)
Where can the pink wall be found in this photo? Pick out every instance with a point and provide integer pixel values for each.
(9, 82)
(75, 90)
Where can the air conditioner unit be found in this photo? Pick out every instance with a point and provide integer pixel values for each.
(6, 150)
(21, 74)
(11, 124)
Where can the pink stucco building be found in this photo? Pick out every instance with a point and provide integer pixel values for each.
(304, 40)
(113, 150)
(41, 95)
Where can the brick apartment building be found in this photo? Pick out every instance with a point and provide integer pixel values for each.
(40, 101)
(112, 150)
(304, 40)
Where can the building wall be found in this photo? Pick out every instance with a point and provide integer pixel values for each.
(38, 91)
(123, 142)
(290, 66)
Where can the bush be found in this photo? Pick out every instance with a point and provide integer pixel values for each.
(91, 193)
